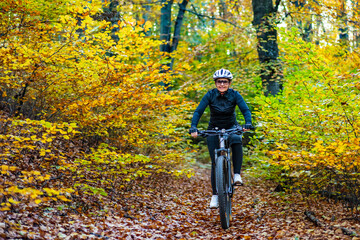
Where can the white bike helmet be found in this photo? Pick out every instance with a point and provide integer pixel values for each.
(223, 73)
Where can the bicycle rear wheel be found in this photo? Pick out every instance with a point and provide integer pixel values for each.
(222, 186)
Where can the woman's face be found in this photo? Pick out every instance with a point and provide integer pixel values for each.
(222, 84)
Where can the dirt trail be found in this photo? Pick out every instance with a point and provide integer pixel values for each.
(178, 209)
(258, 213)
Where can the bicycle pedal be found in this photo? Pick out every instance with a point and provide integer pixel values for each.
(239, 184)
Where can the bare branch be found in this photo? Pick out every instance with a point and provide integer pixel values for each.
(214, 18)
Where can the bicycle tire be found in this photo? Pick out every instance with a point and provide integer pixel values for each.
(222, 186)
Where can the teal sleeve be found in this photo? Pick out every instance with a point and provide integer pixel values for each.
(243, 108)
(200, 110)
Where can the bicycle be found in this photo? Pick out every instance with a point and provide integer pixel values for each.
(223, 177)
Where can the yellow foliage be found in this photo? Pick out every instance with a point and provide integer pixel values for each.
(312, 128)
(87, 84)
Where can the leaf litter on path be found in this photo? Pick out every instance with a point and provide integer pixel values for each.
(168, 208)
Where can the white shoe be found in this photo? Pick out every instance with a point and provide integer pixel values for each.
(237, 179)
(214, 201)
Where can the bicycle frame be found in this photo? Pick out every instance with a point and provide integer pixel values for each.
(224, 149)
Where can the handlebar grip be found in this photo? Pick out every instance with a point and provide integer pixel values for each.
(248, 126)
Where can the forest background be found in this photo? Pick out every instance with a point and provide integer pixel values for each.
(97, 94)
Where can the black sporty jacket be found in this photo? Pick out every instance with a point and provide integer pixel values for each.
(222, 109)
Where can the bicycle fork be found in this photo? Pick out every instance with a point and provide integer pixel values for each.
(230, 184)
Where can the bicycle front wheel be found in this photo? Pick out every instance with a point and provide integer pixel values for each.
(222, 186)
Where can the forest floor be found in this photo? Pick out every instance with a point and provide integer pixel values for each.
(167, 208)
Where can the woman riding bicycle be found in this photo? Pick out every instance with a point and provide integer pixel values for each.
(222, 101)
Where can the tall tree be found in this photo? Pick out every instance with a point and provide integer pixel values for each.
(304, 24)
(343, 29)
(268, 51)
(165, 25)
(169, 46)
(356, 31)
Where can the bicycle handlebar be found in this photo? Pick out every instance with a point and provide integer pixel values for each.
(221, 132)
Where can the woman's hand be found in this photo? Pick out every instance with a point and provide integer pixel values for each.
(248, 127)
(194, 132)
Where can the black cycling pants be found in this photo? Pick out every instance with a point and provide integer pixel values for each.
(237, 156)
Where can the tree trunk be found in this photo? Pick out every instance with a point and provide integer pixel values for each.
(306, 25)
(165, 25)
(20, 99)
(343, 29)
(147, 8)
(109, 14)
(114, 17)
(165, 28)
(268, 51)
(356, 31)
(165, 31)
(177, 29)
(223, 9)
